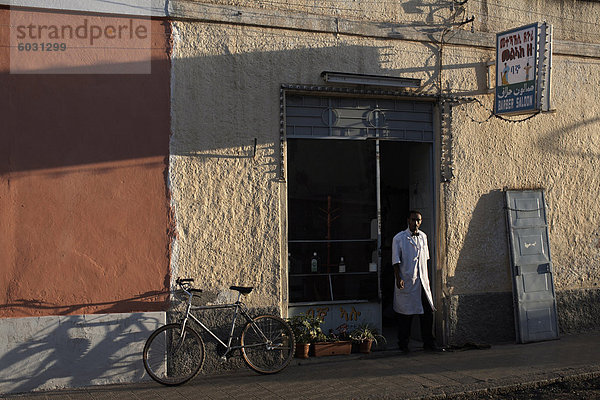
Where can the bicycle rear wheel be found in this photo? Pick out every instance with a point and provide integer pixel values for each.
(267, 344)
(171, 358)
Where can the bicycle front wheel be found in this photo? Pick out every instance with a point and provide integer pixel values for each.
(172, 357)
(267, 344)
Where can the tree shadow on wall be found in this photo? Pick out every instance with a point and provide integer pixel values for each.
(156, 300)
(435, 12)
(66, 350)
(571, 140)
(74, 351)
(481, 310)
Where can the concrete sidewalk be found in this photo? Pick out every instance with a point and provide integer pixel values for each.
(379, 375)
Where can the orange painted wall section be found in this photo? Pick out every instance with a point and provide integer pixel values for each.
(84, 206)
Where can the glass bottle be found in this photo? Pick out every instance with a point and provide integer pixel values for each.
(342, 267)
(314, 263)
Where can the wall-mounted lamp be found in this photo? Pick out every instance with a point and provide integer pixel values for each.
(370, 80)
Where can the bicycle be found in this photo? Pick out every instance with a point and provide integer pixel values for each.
(174, 353)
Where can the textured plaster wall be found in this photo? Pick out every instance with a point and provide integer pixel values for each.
(389, 11)
(573, 20)
(559, 152)
(84, 209)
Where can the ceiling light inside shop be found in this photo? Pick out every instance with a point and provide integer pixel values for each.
(370, 80)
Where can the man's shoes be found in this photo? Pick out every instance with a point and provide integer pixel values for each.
(404, 348)
(434, 349)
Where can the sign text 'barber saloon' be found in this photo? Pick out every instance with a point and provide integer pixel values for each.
(516, 61)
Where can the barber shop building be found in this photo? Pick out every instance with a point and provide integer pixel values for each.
(281, 147)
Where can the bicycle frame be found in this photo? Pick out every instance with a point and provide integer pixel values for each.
(240, 308)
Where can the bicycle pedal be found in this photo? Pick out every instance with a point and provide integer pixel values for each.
(224, 358)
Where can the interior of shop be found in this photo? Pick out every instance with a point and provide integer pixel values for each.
(346, 201)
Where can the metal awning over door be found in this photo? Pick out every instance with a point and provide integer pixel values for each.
(531, 269)
(313, 117)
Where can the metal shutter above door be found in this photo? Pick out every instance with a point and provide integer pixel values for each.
(358, 118)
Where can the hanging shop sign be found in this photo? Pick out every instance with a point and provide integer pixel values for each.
(523, 64)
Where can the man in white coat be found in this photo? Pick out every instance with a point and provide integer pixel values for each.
(412, 294)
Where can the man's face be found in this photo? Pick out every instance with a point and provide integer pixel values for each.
(414, 222)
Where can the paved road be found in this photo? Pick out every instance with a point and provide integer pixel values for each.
(380, 375)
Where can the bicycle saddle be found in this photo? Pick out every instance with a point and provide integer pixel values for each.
(241, 289)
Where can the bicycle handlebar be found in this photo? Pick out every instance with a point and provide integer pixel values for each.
(185, 284)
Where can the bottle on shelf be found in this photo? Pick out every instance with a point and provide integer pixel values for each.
(372, 267)
(314, 263)
(342, 265)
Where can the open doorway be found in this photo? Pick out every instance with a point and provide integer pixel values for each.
(355, 166)
(406, 183)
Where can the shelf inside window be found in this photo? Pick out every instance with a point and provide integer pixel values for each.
(333, 286)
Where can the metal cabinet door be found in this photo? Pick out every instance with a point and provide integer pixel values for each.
(531, 266)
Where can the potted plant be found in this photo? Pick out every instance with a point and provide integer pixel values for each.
(336, 343)
(307, 329)
(365, 335)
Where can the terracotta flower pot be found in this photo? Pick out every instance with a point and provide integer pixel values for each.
(302, 350)
(332, 348)
(365, 346)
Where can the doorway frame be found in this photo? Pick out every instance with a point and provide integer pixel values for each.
(435, 157)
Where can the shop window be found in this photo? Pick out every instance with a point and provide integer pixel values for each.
(332, 218)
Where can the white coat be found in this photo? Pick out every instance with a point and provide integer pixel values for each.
(412, 253)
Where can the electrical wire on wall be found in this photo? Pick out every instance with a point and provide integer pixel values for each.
(456, 11)
(446, 102)
(461, 11)
(494, 115)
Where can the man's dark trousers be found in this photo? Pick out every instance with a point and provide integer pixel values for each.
(426, 320)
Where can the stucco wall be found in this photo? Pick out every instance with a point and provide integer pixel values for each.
(573, 20)
(83, 199)
(84, 215)
(559, 152)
